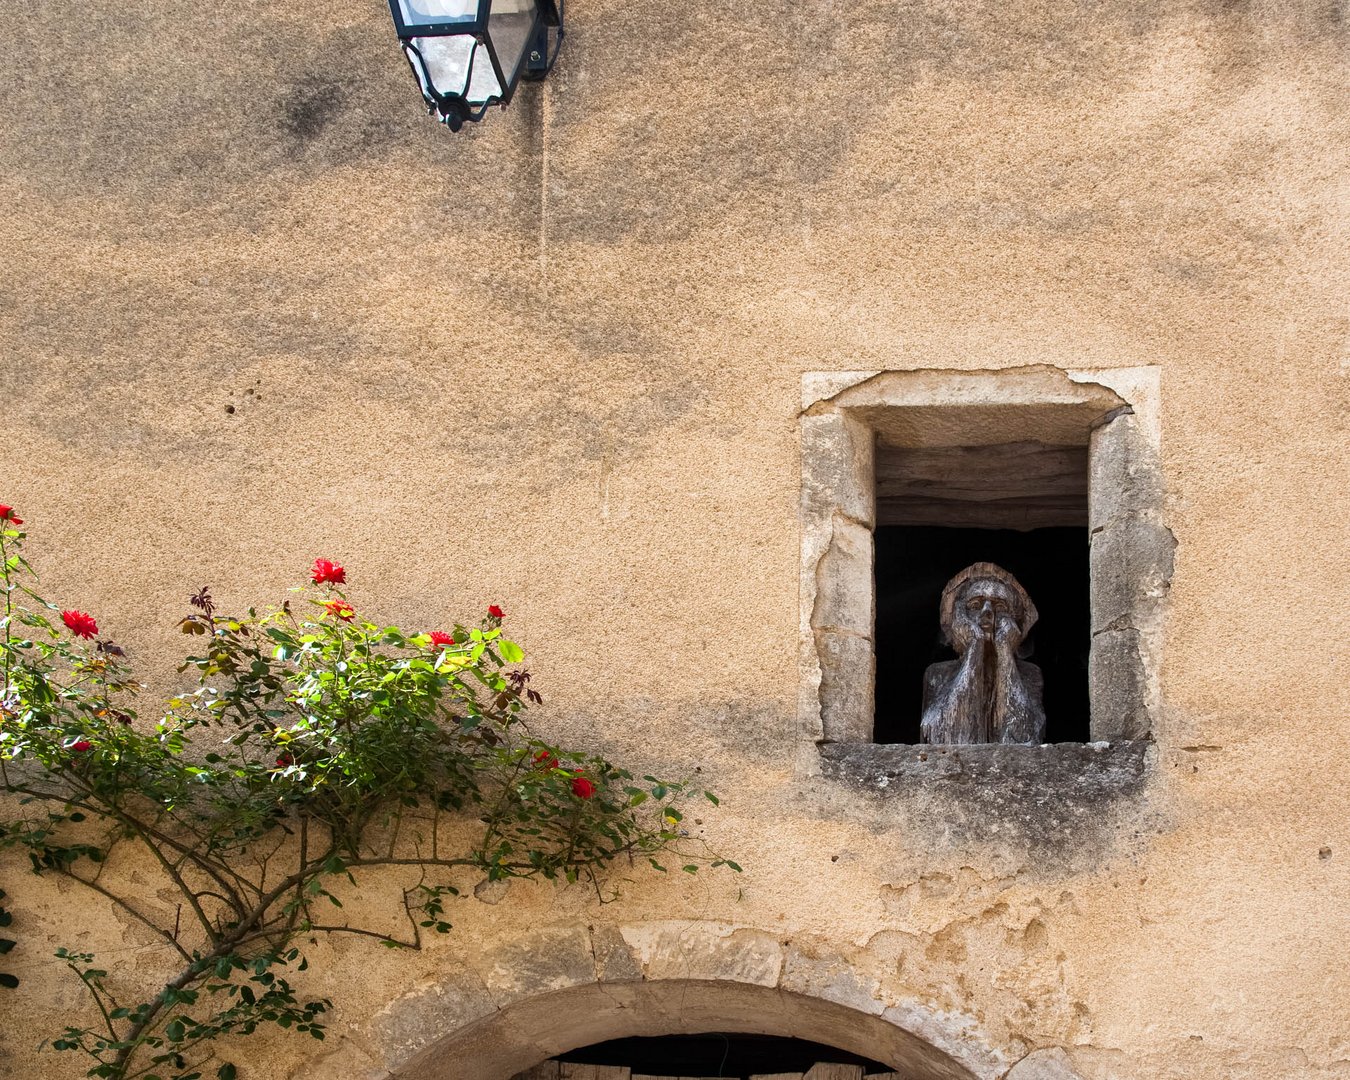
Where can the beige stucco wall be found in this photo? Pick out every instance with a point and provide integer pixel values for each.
(555, 362)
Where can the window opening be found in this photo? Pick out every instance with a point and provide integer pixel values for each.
(914, 563)
(910, 476)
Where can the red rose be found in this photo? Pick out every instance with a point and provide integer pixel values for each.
(81, 746)
(582, 788)
(284, 761)
(440, 638)
(79, 624)
(328, 573)
(545, 760)
(7, 514)
(495, 612)
(340, 608)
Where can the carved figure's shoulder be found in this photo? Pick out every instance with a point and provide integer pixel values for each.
(941, 672)
(1031, 674)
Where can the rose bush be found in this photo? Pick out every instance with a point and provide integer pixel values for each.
(316, 746)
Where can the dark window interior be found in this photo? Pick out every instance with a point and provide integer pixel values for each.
(914, 562)
(735, 1057)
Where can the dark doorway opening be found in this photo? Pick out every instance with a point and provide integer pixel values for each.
(733, 1056)
(915, 562)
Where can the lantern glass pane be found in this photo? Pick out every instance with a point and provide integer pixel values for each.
(448, 59)
(509, 25)
(438, 11)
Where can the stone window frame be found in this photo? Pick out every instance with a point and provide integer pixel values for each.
(1115, 411)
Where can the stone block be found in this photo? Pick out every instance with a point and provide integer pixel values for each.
(1131, 562)
(614, 960)
(537, 963)
(939, 1040)
(552, 1024)
(820, 386)
(1123, 473)
(716, 952)
(844, 592)
(828, 978)
(1117, 685)
(412, 1022)
(1112, 593)
(836, 468)
(1065, 803)
(847, 681)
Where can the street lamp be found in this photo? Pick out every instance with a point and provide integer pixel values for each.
(469, 54)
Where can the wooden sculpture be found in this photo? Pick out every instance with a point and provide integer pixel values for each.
(988, 695)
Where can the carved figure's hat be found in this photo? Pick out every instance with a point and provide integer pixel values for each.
(1026, 618)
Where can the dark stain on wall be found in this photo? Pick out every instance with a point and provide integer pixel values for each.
(311, 106)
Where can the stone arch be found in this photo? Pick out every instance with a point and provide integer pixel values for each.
(538, 1028)
(556, 989)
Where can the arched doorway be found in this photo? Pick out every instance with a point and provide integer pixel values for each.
(721, 1055)
(527, 1033)
(551, 990)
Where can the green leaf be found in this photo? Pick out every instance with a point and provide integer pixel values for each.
(511, 652)
(226, 1072)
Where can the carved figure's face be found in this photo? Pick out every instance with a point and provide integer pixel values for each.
(983, 605)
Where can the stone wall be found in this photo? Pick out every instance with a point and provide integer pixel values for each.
(258, 307)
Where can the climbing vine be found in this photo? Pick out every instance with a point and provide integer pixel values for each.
(7, 979)
(317, 746)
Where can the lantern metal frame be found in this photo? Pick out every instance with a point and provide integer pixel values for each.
(541, 51)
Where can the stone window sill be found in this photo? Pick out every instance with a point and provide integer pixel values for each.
(1077, 772)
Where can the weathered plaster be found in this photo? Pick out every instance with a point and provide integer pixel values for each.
(555, 362)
